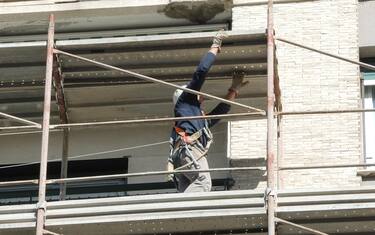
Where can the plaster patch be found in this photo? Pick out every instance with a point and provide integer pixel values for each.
(195, 11)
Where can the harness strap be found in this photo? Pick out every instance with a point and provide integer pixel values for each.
(184, 140)
(188, 138)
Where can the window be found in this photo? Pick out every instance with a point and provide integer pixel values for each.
(76, 168)
(369, 117)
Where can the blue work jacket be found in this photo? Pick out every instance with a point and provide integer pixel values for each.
(188, 104)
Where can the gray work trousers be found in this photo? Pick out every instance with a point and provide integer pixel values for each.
(195, 181)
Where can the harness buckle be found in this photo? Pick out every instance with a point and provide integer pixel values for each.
(41, 205)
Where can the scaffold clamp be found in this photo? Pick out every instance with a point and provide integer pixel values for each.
(42, 205)
(269, 192)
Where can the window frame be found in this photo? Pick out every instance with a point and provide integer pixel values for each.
(368, 79)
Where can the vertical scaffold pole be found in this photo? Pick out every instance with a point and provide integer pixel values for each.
(41, 206)
(270, 192)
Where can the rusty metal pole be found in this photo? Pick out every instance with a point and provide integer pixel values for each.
(270, 192)
(64, 163)
(41, 206)
(279, 150)
(60, 98)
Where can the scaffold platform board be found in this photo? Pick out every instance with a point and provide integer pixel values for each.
(349, 211)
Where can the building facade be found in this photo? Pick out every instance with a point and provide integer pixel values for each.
(165, 39)
(310, 81)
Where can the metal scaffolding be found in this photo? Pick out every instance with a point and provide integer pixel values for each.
(273, 110)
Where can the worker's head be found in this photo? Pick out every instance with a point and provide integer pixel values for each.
(178, 93)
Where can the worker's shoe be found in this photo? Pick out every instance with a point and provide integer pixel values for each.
(218, 39)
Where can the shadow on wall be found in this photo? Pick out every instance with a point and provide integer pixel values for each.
(248, 179)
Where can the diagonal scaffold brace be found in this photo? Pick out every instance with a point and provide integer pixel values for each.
(50, 232)
(312, 231)
(361, 64)
(150, 79)
(20, 120)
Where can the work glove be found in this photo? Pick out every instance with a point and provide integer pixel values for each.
(237, 82)
(218, 39)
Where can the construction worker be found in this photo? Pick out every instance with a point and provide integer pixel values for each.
(191, 139)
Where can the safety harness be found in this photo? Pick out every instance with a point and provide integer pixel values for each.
(184, 142)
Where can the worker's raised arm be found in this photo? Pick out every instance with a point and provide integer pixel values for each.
(201, 71)
(204, 66)
(223, 108)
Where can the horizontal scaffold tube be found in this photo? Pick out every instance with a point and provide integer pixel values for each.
(325, 112)
(6, 128)
(150, 79)
(128, 175)
(18, 182)
(151, 173)
(151, 120)
(287, 168)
